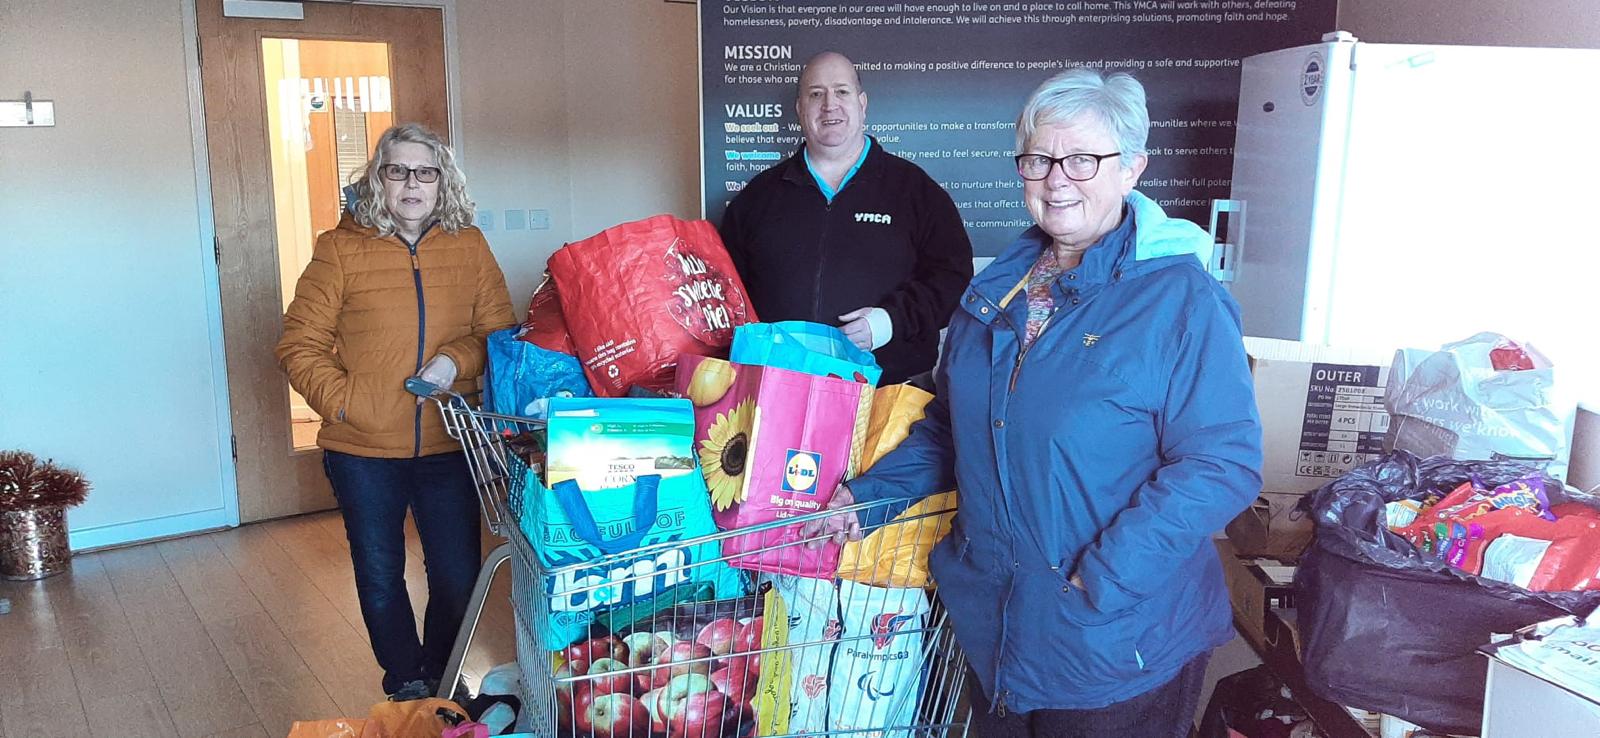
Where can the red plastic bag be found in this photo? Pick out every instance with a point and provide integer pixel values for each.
(546, 325)
(637, 295)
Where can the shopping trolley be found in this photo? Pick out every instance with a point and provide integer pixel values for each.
(844, 658)
(492, 446)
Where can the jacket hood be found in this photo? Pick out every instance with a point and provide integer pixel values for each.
(347, 222)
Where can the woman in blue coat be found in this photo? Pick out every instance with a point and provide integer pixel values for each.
(1095, 410)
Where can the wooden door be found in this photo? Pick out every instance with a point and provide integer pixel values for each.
(269, 200)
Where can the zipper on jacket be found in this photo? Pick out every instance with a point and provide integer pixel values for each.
(422, 334)
(822, 257)
(1049, 320)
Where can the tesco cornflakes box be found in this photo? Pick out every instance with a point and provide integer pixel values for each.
(773, 444)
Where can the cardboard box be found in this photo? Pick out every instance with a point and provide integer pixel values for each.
(1322, 411)
(1520, 704)
(1322, 415)
(1253, 590)
(1584, 472)
(609, 442)
(1272, 527)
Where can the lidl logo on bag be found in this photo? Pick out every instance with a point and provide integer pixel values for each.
(885, 625)
(800, 471)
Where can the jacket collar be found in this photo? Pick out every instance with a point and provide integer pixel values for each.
(348, 222)
(1155, 242)
(795, 171)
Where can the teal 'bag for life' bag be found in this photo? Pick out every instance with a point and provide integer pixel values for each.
(809, 348)
(570, 526)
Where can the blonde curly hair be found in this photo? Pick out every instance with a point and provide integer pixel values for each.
(453, 211)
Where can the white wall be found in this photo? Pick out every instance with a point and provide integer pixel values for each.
(633, 110)
(1561, 23)
(109, 326)
(514, 128)
(588, 109)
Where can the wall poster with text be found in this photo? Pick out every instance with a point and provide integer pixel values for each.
(945, 81)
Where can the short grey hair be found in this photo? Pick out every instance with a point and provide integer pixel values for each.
(1117, 99)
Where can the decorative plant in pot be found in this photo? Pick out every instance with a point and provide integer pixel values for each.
(34, 497)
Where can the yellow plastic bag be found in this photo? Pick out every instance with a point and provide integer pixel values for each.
(772, 703)
(896, 555)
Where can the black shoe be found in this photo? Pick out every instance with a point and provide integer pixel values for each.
(415, 689)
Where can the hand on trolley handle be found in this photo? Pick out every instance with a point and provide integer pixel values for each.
(425, 390)
(839, 527)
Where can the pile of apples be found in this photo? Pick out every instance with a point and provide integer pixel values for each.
(653, 683)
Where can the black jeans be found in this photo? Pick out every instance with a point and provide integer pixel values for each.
(1164, 712)
(374, 495)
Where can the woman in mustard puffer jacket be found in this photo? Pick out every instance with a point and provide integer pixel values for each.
(405, 286)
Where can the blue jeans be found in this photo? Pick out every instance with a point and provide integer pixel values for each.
(373, 496)
(1164, 712)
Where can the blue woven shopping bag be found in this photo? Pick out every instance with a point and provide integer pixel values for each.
(811, 348)
(570, 526)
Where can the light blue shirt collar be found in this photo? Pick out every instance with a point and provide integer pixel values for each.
(831, 192)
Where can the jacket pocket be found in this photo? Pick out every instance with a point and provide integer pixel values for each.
(1066, 640)
(358, 410)
(1075, 604)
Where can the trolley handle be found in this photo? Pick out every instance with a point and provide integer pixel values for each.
(424, 388)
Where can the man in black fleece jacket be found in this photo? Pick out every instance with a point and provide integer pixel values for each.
(845, 233)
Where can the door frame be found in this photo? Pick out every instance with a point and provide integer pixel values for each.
(207, 235)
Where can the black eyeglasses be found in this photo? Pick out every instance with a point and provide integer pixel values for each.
(399, 173)
(1077, 167)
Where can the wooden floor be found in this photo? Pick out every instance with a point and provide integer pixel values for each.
(232, 634)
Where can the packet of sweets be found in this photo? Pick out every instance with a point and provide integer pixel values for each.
(1527, 493)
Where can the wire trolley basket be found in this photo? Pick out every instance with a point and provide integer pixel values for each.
(662, 640)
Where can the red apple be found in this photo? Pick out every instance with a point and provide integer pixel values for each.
(749, 636)
(612, 716)
(685, 657)
(564, 709)
(652, 704)
(701, 715)
(749, 663)
(718, 635)
(607, 677)
(643, 647)
(566, 684)
(651, 649)
(590, 651)
(736, 683)
(673, 696)
(574, 705)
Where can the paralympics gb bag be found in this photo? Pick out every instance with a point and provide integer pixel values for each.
(809, 348)
(637, 295)
(877, 675)
(626, 526)
(896, 554)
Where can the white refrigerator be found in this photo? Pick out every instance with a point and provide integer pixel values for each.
(1392, 196)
